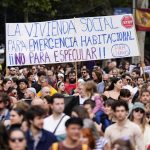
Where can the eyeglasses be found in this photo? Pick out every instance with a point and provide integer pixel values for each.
(139, 110)
(12, 70)
(83, 72)
(16, 139)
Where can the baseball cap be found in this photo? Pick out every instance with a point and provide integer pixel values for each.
(138, 105)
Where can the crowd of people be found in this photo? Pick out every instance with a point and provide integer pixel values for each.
(112, 109)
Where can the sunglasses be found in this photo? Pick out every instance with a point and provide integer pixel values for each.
(1, 101)
(21, 139)
(139, 110)
(83, 72)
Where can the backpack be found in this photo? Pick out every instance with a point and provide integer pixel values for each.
(55, 146)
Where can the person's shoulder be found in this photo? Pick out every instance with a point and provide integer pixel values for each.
(133, 126)
(111, 127)
(48, 118)
(49, 135)
(66, 117)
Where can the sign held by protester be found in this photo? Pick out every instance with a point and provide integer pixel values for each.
(70, 40)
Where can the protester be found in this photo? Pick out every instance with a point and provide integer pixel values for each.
(145, 96)
(30, 78)
(37, 137)
(12, 73)
(71, 86)
(100, 142)
(60, 77)
(30, 93)
(61, 88)
(25, 72)
(14, 82)
(37, 85)
(123, 127)
(121, 144)
(57, 119)
(23, 85)
(99, 117)
(138, 116)
(52, 78)
(4, 107)
(92, 93)
(80, 112)
(85, 74)
(45, 84)
(36, 99)
(125, 95)
(72, 141)
(97, 78)
(34, 72)
(114, 89)
(88, 138)
(81, 92)
(6, 84)
(17, 140)
(13, 92)
(17, 116)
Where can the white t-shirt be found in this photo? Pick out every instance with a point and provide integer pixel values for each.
(50, 124)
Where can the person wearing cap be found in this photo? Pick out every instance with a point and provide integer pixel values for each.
(23, 85)
(30, 93)
(138, 116)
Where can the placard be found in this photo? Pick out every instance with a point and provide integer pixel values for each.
(70, 40)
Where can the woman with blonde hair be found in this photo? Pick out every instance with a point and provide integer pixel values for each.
(138, 116)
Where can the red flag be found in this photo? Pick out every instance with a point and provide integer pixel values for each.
(142, 20)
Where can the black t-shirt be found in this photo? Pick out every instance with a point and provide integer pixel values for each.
(36, 86)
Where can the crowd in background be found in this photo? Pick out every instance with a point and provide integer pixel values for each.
(113, 110)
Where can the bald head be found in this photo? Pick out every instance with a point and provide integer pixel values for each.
(45, 91)
(37, 101)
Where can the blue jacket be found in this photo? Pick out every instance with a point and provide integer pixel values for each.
(45, 142)
(101, 117)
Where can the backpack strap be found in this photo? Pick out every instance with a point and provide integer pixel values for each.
(58, 124)
(84, 147)
(55, 146)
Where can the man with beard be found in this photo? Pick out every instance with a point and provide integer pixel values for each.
(12, 73)
(38, 138)
(56, 122)
(85, 75)
(72, 82)
(124, 128)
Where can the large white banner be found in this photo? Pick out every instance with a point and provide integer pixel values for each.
(70, 40)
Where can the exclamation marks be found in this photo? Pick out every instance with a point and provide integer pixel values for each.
(102, 53)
